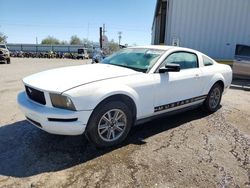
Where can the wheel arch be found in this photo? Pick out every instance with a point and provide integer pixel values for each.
(221, 83)
(126, 99)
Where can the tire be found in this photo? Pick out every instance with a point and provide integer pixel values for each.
(8, 61)
(104, 130)
(212, 102)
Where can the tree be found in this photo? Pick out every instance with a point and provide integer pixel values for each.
(87, 43)
(3, 38)
(113, 46)
(50, 40)
(64, 42)
(75, 40)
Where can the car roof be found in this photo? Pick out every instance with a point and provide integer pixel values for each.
(156, 47)
(163, 47)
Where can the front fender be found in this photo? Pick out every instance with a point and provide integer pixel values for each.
(118, 89)
(87, 97)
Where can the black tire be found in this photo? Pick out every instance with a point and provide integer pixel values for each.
(93, 131)
(8, 61)
(215, 94)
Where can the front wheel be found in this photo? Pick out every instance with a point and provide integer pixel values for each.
(8, 61)
(213, 99)
(109, 124)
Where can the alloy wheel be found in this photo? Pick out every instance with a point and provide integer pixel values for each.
(112, 125)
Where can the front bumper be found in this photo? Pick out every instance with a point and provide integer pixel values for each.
(53, 120)
(4, 58)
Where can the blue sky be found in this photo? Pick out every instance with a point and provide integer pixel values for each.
(24, 20)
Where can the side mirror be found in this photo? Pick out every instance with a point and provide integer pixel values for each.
(170, 68)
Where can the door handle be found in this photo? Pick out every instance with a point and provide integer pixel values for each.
(197, 76)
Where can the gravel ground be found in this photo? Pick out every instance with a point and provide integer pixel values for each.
(192, 149)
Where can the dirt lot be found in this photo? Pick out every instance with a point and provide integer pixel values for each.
(191, 149)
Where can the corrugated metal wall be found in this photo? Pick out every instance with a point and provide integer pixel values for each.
(211, 26)
(156, 30)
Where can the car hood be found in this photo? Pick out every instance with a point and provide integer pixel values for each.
(4, 50)
(62, 79)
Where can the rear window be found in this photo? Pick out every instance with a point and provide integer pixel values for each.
(242, 50)
(207, 61)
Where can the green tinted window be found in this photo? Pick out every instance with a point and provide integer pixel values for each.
(137, 59)
(184, 59)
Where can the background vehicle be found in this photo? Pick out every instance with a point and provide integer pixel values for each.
(129, 87)
(82, 54)
(241, 65)
(4, 54)
(98, 56)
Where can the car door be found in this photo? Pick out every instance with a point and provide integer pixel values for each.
(178, 89)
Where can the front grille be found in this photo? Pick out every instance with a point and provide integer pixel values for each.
(35, 95)
(1, 52)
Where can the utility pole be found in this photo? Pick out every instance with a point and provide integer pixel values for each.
(100, 29)
(36, 44)
(103, 30)
(119, 37)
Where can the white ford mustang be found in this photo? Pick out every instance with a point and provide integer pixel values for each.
(129, 87)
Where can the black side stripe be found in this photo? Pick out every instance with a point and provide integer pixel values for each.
(178, 103)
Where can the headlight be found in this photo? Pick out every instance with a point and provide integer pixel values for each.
(5, 51)
(60, 101)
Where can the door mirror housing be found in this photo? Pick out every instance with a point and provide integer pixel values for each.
(170, 68)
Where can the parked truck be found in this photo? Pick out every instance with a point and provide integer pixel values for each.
(4, 54)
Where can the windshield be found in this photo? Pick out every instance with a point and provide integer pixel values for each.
(2, 46)
(138, 59)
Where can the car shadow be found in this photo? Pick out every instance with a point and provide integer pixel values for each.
(26, 151)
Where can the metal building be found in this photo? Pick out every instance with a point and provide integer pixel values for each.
(46, 48)
(210, 26)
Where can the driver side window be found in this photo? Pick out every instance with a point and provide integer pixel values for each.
(186, 60)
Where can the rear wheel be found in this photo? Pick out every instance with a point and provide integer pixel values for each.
(109, 124)
(213, 99)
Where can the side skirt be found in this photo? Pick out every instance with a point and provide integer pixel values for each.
(169, 113)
